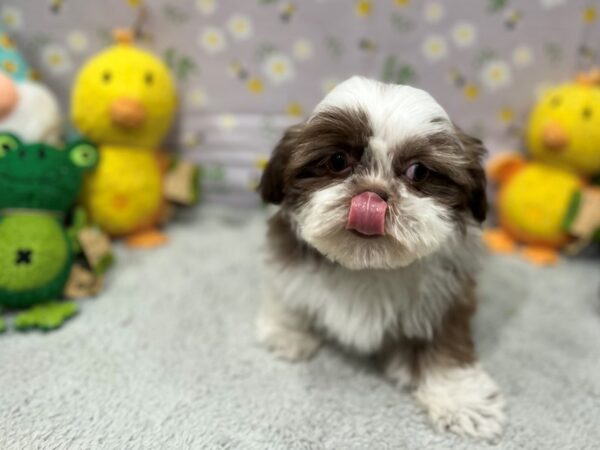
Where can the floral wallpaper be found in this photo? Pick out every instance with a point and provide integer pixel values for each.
(247, 69)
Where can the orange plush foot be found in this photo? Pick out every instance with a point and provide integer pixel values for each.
(542, 256)
(498, 240)
(147, 239)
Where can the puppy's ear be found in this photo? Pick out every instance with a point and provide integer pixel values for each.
(272, 184)
(477, 198)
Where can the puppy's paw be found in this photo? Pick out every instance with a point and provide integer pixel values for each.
(291, 345)
(465, 401)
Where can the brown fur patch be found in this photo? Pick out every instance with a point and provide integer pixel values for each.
(285, 246)
(298, 165)
(273, 181)
(452, 344)
(456, 177)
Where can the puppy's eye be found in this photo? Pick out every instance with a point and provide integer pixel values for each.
(416, 172)
(338, 162)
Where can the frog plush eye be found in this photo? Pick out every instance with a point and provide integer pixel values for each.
(84, 155)
(8, 142)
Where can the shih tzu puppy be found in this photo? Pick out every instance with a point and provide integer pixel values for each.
(376, 245)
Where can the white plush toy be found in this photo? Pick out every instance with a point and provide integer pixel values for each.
(27, 108)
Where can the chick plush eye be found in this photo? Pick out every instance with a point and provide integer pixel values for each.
(106, 76)
(416, 172)
(338, 162)
(149, 78)
(587, 113)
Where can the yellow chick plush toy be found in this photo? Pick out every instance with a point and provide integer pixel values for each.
(546, 203)
(564, 126)
(124, 100)
(532, 203)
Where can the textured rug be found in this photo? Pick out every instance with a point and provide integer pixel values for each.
(166, 358)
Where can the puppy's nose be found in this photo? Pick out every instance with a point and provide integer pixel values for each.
(384, 195)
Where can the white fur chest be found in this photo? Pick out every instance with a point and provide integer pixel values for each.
(360, 308)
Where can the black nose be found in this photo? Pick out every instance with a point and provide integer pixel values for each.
(384, 195)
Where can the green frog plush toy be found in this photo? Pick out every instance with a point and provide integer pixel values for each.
(39, 185)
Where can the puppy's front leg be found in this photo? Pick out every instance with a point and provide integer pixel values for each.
(457, 393)
(285, 332)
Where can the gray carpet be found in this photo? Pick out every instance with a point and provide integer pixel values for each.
(165, 358)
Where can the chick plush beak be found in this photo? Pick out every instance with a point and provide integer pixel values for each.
(9, 96)
(555, 137)
(127, 113)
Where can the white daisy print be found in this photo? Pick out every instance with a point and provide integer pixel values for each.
(198, 98)
(434, 48)
(212, 40)
(522, 56)
(11, 18)
(278, 68)
(433, 12)
(77, 41)
(227, 121)
(206, 7)
(549, 4)
(464, 34)
(240, 27)
(56, 59)
(328, 84)
(302, 49)
(495, 74)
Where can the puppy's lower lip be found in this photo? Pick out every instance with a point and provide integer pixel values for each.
(367, 214)
(365, 236)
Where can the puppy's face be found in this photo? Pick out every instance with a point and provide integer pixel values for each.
(377, 177)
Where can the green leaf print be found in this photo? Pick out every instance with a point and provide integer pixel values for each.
(334, 46)
(174, 14)
(402, 23)
(394, 72)
(484, 56)
(405, 74)
(41, 40)
(554, 52)
(496, 5)
(263, 50)
(181, 65)
(215, 174)
(588, 53)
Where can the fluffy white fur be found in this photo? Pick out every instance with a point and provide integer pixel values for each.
(285, 332)
(358, 308)
(389, 105)
(465, 401)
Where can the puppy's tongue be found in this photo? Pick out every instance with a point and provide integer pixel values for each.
(367, 214)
